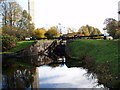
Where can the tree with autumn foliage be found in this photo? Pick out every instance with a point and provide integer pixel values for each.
(89, 30)
(40, 33)
(52, 32)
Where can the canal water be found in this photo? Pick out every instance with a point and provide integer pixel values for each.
(44, 72)
(64, 77)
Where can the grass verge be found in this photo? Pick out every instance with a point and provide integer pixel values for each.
(20, 45)
(100, 50)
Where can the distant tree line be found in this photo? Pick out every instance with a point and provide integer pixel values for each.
(54, 32)
(42, 33)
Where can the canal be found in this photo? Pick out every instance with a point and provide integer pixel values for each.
(46, 72)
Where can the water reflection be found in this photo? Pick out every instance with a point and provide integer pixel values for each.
(64, 77)
(106, 74)
(47, 72)
(22, 72)
(33, 60)
(15, 76)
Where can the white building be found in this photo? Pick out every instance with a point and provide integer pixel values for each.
(119, 11)
(31, 9)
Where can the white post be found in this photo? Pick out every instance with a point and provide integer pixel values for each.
(31, 9)
(119, 11)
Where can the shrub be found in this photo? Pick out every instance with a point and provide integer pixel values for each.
(8, 42)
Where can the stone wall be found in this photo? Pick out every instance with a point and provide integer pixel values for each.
(31, 50)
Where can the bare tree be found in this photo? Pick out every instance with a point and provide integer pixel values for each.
(11, 14)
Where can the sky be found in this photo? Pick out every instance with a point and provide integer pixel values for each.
(72, 13)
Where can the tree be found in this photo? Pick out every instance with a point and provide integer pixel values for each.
(11, 14)
(25, 21)
(86, 32)
(40, 33)
(8, 42)
(112, 27)
(16, 22)
(71, 30)
(0, 31)
(52, 32)
(89, 30)
(94, 32)
(117, 34)
(80, 31)
(25, 24)
(98, 31)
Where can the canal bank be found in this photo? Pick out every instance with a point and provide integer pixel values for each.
(98, 56)
(41, 72)
(106, 72)
(33, 48)
(27, 48)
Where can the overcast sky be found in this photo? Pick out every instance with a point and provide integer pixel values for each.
(73, 13)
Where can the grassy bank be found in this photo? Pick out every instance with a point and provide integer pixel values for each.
(20, 45)
(104, 52)
(100, 50)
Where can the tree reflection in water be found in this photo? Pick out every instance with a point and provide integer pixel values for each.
(17, 76)
(102, 72)
(22, 72)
